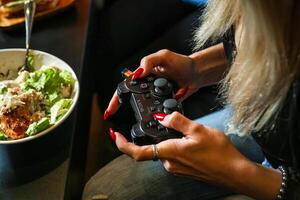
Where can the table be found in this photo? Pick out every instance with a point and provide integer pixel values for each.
(63, 35)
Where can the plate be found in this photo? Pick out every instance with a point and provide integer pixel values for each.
(6, 22)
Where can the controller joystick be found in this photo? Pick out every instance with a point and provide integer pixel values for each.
(170, 105)
(147, 96)
(162, 87)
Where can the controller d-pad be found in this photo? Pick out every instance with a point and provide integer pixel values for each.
(133, 82)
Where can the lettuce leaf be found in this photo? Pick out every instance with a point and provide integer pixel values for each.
(2, 135)
(47, 80)
(3, 88)
(37, 127)
(67, 77)
(59, 109)
(50, 82)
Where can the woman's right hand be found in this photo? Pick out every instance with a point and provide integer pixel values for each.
(165, 63)
(173, 66)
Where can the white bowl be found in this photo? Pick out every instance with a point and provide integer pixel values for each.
(14, 58)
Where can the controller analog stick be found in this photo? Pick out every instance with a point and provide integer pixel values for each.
(161, 86)
(170, 105)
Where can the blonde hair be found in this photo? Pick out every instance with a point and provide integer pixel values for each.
(268, 57)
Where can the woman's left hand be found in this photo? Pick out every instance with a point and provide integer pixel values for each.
(203, 153)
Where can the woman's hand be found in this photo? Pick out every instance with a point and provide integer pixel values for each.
(176, 67)
(203, 153)
(200, 69)
(165, 63)
(206, 154)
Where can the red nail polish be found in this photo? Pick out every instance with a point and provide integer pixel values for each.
(106, 115)
(159, 116)
(182, 93)
(112, 134)
(137, 73)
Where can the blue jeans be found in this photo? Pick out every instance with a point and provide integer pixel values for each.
(124, 178)
(246, 145)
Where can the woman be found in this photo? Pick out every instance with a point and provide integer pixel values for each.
(261, 90)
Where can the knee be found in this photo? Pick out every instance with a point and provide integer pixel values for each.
(123, 178)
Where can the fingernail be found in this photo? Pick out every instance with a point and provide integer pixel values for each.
(137, 73)
(106, 115)
(159, 116)
(181, 94)
(112, 134)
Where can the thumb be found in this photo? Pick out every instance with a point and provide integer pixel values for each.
(178, 122)
(180, 94)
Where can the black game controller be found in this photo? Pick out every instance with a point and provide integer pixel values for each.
(148, 96)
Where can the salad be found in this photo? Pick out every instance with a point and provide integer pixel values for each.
(32, 102)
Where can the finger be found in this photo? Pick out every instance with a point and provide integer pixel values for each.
(113, 106)
(180, 123)
(158, 70)
(180, 94)
(151, 61)
(137, 73)
(178, 168)
(170, 149)
(138, 153)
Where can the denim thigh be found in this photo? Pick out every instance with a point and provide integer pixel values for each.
(124, 178)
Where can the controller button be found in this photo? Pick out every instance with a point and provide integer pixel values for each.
(134, 82)
(156, 102)
(150, 78)
(144, 86)
(160, 127)
(148, 96)
(152, 109)
(152, 124)
(159, 110)
(170, 105)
